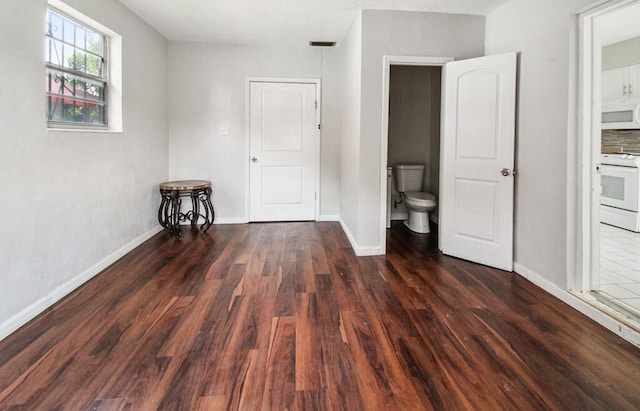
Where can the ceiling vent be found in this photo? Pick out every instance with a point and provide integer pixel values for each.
(322, 43)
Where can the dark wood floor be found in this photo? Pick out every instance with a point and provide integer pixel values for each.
(284, 316)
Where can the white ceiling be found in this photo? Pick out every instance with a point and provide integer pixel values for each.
(283, 22)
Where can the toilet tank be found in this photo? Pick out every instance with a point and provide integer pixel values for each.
(408, 177)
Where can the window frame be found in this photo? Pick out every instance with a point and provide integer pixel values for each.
(105, 81)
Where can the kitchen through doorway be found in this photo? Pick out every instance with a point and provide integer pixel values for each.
(611, 271)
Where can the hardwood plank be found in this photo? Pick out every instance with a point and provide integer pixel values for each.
(285, 316)
(113, 404)
(341, 386)
(309, 371)
(279, 388)
(214, 402)
(317, 252)
(250, 389)
(375, 395)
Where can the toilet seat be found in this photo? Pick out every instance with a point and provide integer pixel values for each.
(421, 198)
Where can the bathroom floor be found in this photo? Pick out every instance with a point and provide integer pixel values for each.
(620, 269)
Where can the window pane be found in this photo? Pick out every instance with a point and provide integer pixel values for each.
(80, 36)
(95, 43)
(51, 52)
(66, 84)
(67, 31)
(94, 65)
(54, 24)
(64, 55)
(74, 99)
(68, 57)
(75, 34)
(74, 111)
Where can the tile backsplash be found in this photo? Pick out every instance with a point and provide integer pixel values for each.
(629, 140)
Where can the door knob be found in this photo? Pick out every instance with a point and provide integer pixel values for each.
(254, 160)
(505, 172)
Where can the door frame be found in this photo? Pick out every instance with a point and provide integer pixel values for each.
(247, 148)
(583, 222)
(387, 62)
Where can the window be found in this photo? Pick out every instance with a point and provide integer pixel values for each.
(76, 73)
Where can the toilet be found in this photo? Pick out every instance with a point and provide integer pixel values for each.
(408, 182)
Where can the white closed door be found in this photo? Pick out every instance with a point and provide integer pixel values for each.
(477, 158)
(283, 147)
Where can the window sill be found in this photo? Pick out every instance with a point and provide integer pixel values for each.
(105, 130)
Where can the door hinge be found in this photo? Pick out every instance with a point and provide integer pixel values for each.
(316, 104)
(318, 126)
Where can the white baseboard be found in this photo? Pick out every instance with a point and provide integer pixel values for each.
(230, 220)
(584, 303)
(28, 313)
(328, 217)
(241, 220)
(360, 251)
(399, 215)
(395, 217)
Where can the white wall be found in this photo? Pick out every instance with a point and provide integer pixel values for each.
(395, 33)
(330, 134)
(72, 202)
(207, 84)
(540, 30)
(350, 86)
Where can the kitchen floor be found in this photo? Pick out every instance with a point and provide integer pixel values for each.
(620, 269)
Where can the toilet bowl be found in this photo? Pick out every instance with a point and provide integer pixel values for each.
(408, 179)
(419, 204)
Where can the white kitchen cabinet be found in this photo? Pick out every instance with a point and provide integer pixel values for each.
(634, 83)
(615, 84)
(621, 85)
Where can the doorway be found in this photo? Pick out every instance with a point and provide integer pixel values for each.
(407, 70)
(607, 273)
(476, 158)
(414, 128)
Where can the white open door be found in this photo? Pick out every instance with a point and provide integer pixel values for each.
(476, 161)
(283, 141)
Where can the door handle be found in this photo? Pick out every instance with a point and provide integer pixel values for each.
(254, 160)
(505, 172)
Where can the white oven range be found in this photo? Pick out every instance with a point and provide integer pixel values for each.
(620, 196)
